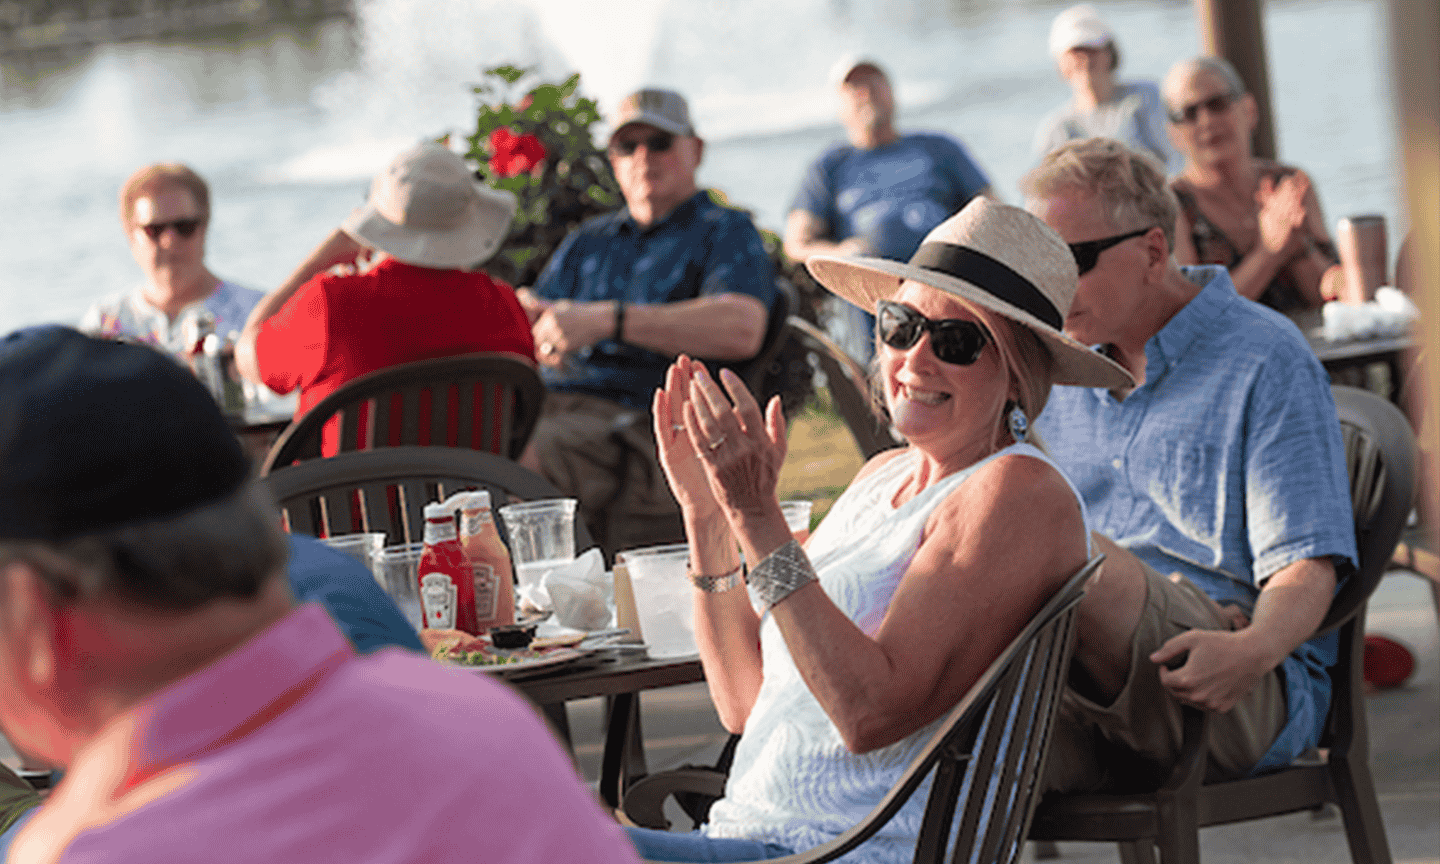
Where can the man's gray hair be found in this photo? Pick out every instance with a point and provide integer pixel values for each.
(1129, 185)
(224, 550)
(1217, 66)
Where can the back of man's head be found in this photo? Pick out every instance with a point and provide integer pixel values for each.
(1130, 186)
(119, 474)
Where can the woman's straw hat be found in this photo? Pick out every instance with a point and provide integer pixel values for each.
(427, 209)
(996, 256)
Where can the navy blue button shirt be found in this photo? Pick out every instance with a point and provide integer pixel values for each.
(700, 249)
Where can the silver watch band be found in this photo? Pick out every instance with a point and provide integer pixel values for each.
(717, 584)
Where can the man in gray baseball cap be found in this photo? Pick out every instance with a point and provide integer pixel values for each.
(624, 294)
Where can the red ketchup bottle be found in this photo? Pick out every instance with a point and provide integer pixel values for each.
(447, 592)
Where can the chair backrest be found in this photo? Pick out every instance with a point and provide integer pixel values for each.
(1380, 457)
(849, 388)
(492, 401)
(988, 756)
(387, 490)
(754, 370)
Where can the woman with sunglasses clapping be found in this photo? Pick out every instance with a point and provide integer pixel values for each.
(933, 559)
(1260, 219)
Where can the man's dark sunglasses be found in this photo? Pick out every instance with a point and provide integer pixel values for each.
(953, 340)
(1215, 105)
(1088, 253)
(657, 143)
(183, 227)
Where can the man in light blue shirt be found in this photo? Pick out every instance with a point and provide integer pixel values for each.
(1220, 479)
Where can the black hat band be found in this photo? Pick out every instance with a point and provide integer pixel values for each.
(994, 276)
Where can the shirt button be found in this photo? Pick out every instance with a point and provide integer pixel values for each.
(1116, 464)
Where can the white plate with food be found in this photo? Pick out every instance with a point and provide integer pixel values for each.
(476, 652)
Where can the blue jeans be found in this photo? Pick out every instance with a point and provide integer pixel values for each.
(656, 845)
(854, 329)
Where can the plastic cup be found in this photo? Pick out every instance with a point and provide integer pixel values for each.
(542, 536)
(663, 598)
(400, 567)
(797, 516)
(365, 548)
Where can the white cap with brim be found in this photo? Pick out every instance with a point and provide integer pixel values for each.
(847, 64)
(996, 256)
(427, 209)
(1079, 27)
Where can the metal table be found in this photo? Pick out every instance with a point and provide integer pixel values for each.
(1339, 357)
(620, 678)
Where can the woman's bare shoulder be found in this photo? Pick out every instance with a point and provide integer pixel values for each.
(880, 459)
(1014, 492)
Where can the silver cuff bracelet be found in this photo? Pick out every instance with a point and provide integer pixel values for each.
(717, 584)
(783, 572)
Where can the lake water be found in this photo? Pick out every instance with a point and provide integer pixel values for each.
(289, 125)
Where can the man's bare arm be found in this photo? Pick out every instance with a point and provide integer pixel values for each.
(1224, 665)
(807, 234)
(716, 327)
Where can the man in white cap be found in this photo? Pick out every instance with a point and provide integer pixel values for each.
(1084, 49)
(881, 192)
(402, 290)
(165, 209)
(1220, 478)
(623, 295)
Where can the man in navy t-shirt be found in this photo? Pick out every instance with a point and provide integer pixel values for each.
(672, 272)
(879, 194)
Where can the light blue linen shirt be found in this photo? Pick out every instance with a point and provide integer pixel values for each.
(1226, 465)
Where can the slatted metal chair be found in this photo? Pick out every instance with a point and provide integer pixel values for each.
(987, 758)
(1380, 454)
(849, 388)
(387, 490)
(491, 401)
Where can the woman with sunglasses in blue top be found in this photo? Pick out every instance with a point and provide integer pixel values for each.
(926, 567)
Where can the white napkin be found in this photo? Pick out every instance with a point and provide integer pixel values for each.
(574, 591)
(1389, 314)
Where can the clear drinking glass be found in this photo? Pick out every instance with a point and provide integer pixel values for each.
(797, 516)
(400, 566)
(664, 603)
(365, 548)
(542, 536)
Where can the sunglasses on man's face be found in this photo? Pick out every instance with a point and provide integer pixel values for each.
(1216, 104)
(184, 227)
(954, 340)
(656, 143)
(1087, 254)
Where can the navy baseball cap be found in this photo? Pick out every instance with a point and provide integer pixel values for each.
(96, 435)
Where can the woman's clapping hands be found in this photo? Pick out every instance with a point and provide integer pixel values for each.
(717, 450)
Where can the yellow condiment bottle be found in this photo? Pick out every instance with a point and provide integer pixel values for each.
(489, 561)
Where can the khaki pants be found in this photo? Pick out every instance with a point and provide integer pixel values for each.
(1132, 743)
(603, 454)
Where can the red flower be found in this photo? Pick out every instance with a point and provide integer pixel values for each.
(514, 154)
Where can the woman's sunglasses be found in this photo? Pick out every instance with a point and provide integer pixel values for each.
(1087, 254)
(183, 227)
(953, 340)
(1215, 105)
(657, 143)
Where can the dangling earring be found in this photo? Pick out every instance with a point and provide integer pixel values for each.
(1019, 425)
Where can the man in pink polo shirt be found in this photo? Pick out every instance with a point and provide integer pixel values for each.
(150, 645)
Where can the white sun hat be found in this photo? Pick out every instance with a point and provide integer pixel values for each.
(428, 209)
(996, 256)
